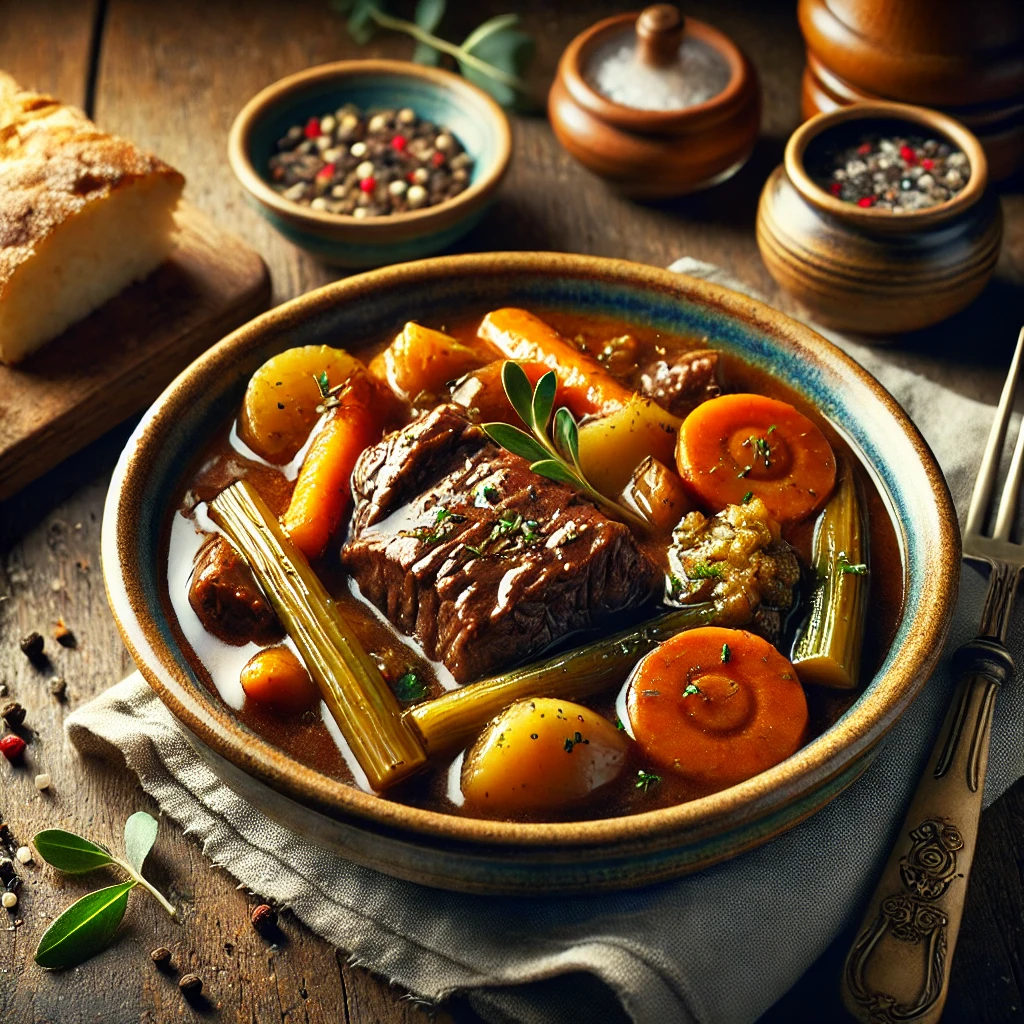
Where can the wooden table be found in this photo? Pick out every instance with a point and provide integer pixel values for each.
(172, 76)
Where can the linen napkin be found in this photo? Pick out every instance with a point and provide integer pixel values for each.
(705, 948)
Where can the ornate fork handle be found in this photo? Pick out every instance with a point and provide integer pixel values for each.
(898, 967)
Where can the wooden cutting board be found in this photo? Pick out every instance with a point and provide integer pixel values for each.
(120, 358)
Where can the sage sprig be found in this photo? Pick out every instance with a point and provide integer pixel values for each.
(556, 457)
(493, 56)
(88, 926)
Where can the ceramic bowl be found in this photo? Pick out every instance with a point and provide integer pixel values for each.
(871, 270)
(446, 99)
(654, 154)
(492, 856)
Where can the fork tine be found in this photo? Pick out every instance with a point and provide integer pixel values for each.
(1011, 490)
(994, 447)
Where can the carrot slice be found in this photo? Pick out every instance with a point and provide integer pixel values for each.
(323, 487)
(716, 705)
(736, 444)
(588, 388)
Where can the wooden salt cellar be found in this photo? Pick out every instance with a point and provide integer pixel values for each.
(870, 270)
(652, 154)
(964, 59)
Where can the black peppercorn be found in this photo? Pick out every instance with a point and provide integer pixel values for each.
(161, 956)
(32, 646)
(12, 713)
(58, 687)
(264, 919)
(191, 984)
(64, 636)
(7, 870)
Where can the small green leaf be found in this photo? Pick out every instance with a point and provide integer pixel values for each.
(544, 400)
(490, 26)
(85, 928)
(520, 393)
(555, 471)
(70, 852)
(429, 14)
(139, 836)
(516, 441)
(567, 436)
(424, 53)
(361, 25)
(409, 688)
(507, 49)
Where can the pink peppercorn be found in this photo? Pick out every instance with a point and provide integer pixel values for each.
(368, 184)
(927, 163)
(437, 159)
(398, 142)
(12, 747)
(908, 154)
(866, 201)
(835, 188)
(325, 172)
(864, 148)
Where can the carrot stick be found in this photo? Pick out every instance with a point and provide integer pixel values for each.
(739, 444)
(323, 488)
(716, 705)
(588, 388)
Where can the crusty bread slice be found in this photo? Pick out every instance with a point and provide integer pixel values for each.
(83, 214)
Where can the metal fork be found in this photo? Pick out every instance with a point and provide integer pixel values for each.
(898, 967)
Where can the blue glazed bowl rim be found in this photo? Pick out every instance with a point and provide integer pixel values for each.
(872, 419)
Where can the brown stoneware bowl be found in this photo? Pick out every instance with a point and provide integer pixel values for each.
(652, 154)
(871, 270)
(475, 855)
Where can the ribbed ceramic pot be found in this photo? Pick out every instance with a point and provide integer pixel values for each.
(492, 856)
(871, 270)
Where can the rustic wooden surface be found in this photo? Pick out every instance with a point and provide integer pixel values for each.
(172, 77)
(64, 396)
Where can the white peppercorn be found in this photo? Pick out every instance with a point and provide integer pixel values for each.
(9, 900)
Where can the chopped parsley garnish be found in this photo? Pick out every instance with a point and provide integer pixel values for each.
(444, 522)
(675, 585)
(703, 571)
(745, 500)
(744, 472)
(619, 725)
(572, 741)
(530, 530)
(726, 653)
(503, 533)
(847, 568)
(644, 780)
(691, 690)
(409, 688)
(322, 384)
(485, 495)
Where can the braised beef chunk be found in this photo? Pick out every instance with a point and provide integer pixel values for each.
(228, 600)
(486, 563)
(680, 386)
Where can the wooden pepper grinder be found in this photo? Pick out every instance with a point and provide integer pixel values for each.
(643, 149)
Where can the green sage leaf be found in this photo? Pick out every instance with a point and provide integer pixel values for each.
(555, 470)
(489, 27)
(139, 836)
(507, 49)
(361, 25)
(429, 14)
(544, 400)
(70, 852)
(85, 928)
(520, 392)
(516, 441)
(424, 53)
(566, 436)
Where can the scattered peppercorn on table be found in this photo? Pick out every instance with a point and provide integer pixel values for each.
(172, 77)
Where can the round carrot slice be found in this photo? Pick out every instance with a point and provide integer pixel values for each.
(738, 444)
(716, 705)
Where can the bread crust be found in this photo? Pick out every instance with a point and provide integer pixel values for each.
(54, 162)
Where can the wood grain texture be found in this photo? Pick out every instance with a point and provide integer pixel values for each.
(173, 76)
(116, 361)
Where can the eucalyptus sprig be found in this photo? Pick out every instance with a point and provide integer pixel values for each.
(493, 56)
(87, 927)
(556, 457)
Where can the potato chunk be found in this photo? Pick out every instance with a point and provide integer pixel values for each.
(541, 756)
(421, 361)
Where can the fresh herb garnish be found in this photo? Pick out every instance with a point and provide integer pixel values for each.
(847, 568)
(556, 457)
(444, 523)
(762, 449)
(493, 56)
(703, 571)
(619, 725)
(485, 495)
(646, 779)
(745, 500)
(675, 585)
(692, 689)
(726, 653)
(745, 471)
(409, 688)
(572, 741)
(331, 396)
(88, 926)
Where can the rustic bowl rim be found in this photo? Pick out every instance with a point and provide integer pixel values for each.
(570, 68)
(369, 229)
(865, 723)
(873, 216)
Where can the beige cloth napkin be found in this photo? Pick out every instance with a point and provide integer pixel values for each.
(719, 946)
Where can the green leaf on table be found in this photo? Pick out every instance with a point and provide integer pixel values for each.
(424, 53)
(70, 852)
(496, 24)
(519, 390)
(361, 25)
(544, 400)
(516, 441)
(85, 928)
(554, 470)
(429, 14)
(139, 836)
(509, 50)
(566, 436)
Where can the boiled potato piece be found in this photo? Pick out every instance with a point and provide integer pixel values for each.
(276, 678)
(422, 361)
(280, 403)
(541, 755)
(613, 446)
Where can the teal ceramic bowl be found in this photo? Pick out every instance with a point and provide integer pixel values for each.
(446, 99)
(493, 856)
